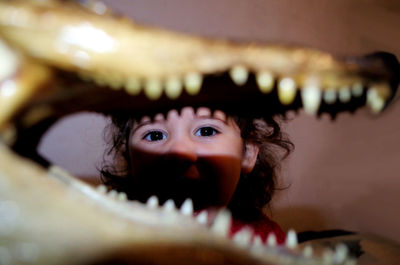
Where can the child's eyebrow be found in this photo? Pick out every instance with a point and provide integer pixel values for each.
(204, 116)
(140, 124)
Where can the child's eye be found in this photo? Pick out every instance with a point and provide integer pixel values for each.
(154, 136)
(206, 131)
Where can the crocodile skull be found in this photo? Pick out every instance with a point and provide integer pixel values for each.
(86, 58)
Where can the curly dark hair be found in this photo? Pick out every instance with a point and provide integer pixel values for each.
(254, 190)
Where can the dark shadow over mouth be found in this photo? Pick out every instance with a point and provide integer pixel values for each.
(165, 176)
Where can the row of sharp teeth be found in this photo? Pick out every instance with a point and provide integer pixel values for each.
(243, 238)
(311, 93)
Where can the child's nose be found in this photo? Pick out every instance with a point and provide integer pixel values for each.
(183, 148)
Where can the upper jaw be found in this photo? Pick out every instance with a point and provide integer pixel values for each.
(137, 65)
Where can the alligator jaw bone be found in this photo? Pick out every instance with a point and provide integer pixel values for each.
(76, 39)
(106, 227)
(137, 57)
(116, 53)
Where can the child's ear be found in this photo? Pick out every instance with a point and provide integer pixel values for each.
(249, 158)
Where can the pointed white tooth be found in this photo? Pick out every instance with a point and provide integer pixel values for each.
(152, 202)
(271, 240)
(173, 87)
(169, 206)
(375, 102)
(308, 251)
(287, 90)
(187, 207)
(344, 95)
(330, 96)
(311, 98)
(153, 89)
(133, 86)
(122, 196)
(202, 218)
(265, 81)
(291, 239)
(341, 253)
(243, 237)
(222, 223)
(102, 189)
(257, 241)
(239, 75)
(9, 61)
(357, 90)
(193, 82)
(113, 194)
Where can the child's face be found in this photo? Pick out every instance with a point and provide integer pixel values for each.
(198, 155)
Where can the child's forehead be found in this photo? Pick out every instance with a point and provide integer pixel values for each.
(186, 112)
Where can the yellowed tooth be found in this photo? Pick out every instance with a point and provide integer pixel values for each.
(265, 81)
(357, 90)
(173, 87)
(344, 95)
(8, 56)
(374, 101)
(239, 75)
(287, 90)
(133, 86)
(329, 96)
(100, 80)
(153, 89)
(193, 82)
(115, 82)
(311, 98)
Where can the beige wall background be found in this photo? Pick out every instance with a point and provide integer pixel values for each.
(343, 174)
